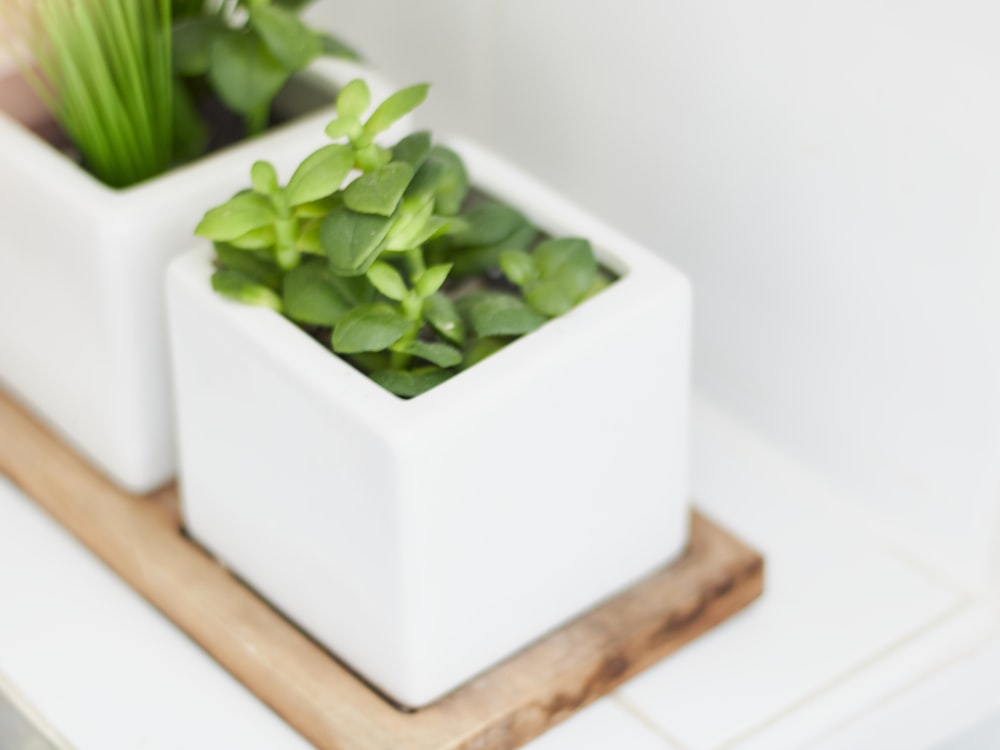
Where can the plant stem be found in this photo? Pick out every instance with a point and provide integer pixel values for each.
(257, 121)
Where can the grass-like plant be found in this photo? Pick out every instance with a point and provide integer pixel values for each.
(127, 79)
(104, 69)
(397, 271)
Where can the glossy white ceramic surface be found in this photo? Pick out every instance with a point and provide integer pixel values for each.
(425, 540)
(82, 321)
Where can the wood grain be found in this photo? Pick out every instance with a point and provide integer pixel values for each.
(140, 539)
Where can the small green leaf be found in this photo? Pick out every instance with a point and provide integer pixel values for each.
(264, 178)
(292, 43)
(410, 384)
(372, 157)
(243, 72)
(472, 261)
(353, 100)
(518, 266)
(369, 328)
(499, 314)
(245, 289)
(413, 149)
(343, 127)
(551, 298)
(482, 349)
(331, 46)
(388, 281)
(412, 225)
(488, 224)
(351, 240)
(313, 296)
(192, 42)
(379, 192)
(438, 354)
(432, 279)
(395, 108)
(241, 214)
(256, 239)
(250, 263)
(444, 318)
(570, 260)
(444, 176)
(320, 174)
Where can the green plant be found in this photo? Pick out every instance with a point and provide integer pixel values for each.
(396, 270)
(126, 79)
(104, 70)
(245, 51)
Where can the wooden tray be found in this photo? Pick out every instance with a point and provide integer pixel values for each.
(141, 540)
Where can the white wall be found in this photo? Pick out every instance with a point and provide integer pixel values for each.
(828, 172)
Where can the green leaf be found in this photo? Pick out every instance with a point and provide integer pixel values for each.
(412, 225)
(245, 289)
(320, 174)
(243, 213)
(499, 314)
(250, 263)
(264, 178)
(570, 260)
(256, 239)
(331, 46)
(438, 354)
(291, 42)
(444, 318)
(432, 279)
(243, 72)
(472, 261)
(343, 127)
(413, 149)
(379, 192)
(351, 240)
(552, 298)
(444, 176)
(192, 42)
(190, 137)
(488, 224)
(353, 100)
(395, 108)
(372, 157)
(313, 296)
(410, 384)
(518, 266)
(369, 328)
(387, 280)
(482, 349)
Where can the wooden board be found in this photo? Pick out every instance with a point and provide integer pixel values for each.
(140, 539)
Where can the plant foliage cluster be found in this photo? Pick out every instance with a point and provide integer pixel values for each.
(126, 79)
(380, 253)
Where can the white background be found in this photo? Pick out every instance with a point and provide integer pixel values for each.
(828, 172)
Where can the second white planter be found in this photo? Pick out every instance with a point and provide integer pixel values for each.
(425, 540)
(82, 321)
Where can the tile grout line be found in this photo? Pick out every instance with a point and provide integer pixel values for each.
(842, 679)
(928, 674)
(633, 711)
(732, 743)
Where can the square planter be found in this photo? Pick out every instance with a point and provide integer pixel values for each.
(425, 540)
(82, 320)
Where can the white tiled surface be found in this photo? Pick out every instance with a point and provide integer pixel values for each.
(957, 700)
(835, 599)
(845, 626)
(604, 725)
(101, 665)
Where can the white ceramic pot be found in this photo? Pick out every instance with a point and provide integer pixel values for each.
(82, 321)
(425, 540)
